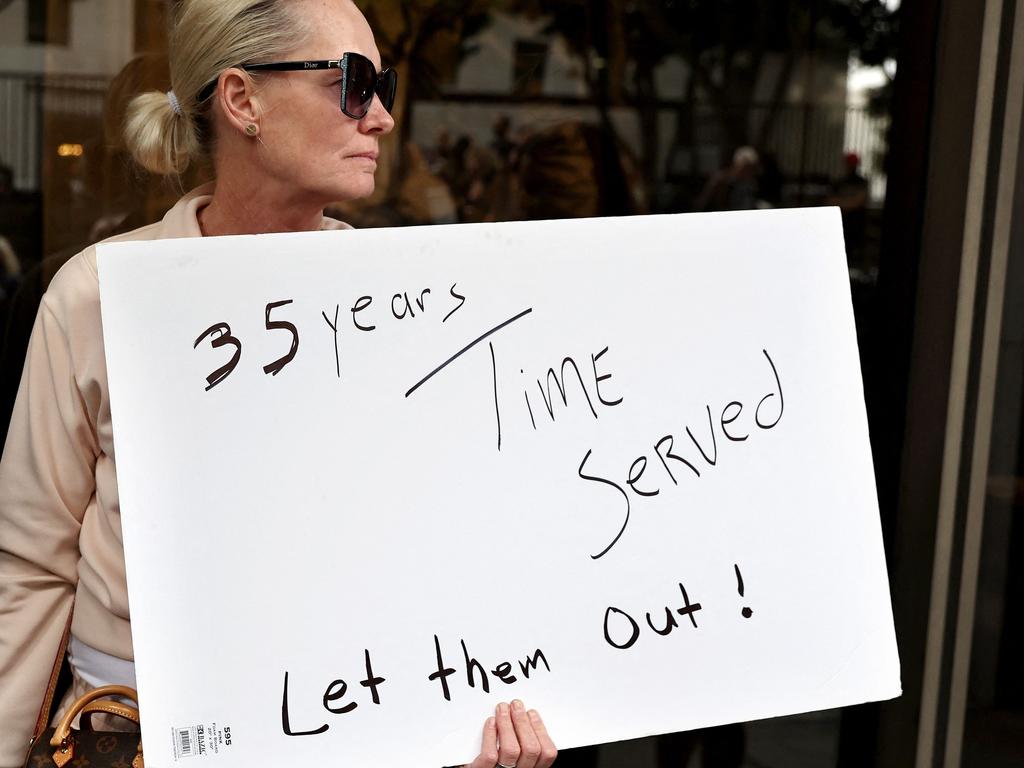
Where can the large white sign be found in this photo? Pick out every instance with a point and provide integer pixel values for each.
(374, 482)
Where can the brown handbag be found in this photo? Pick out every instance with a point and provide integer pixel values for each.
(62, 745)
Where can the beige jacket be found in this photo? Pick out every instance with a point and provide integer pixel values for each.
(60, 522)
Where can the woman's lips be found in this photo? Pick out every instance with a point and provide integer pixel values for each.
(366, 156)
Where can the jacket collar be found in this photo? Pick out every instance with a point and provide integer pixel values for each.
(183, 219)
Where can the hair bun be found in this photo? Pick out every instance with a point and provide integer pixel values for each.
(166, 131)
(160, 139)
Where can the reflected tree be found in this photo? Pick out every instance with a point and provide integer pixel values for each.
(425, 42)
(738, 54)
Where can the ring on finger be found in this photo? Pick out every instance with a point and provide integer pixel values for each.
(502, 765)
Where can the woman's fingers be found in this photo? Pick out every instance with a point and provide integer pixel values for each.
(488, 756)
(548, 751)
(529, 744)
(515, 737)
(508, 744)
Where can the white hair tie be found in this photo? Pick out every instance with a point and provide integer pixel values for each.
(175, 104)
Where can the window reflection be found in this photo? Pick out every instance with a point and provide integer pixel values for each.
(512, 110)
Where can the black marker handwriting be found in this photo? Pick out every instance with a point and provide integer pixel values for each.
(466, 348)
(665, 449)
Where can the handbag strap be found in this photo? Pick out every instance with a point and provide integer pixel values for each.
(46, 710)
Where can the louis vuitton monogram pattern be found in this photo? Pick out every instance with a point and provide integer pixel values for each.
(93, 749)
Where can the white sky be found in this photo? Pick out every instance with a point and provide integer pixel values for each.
(861, 79)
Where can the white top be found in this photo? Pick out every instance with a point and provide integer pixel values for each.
(98, 668)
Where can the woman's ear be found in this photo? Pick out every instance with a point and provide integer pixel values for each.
(236, 93)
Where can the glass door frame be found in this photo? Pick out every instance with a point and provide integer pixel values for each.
(948, 301)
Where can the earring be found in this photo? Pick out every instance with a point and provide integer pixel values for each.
(251, 129)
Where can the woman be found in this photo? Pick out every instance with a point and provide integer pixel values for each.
(282, 150)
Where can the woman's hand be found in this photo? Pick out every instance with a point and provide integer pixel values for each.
(515, 738)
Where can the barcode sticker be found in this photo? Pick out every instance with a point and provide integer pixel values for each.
(185, 741)
(200, 740)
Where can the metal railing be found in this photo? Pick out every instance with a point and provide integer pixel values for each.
(807, 140)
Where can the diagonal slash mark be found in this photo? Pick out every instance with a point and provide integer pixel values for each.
(466, 349)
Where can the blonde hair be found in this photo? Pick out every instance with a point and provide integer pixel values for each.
(204, 38)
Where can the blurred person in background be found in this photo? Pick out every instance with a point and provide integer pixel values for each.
(734, 188)
(437, 155)
(572, 170)
(850, 192)
(501, 142)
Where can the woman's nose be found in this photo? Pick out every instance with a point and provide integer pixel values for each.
(377, 119)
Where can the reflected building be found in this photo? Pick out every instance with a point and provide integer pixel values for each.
(796, 109)
(57, 58)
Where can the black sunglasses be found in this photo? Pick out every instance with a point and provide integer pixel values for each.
(360, 80)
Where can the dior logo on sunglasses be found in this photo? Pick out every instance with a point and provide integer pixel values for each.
(360, 80)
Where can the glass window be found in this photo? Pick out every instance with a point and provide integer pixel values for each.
(994, 719)
(511, 110)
